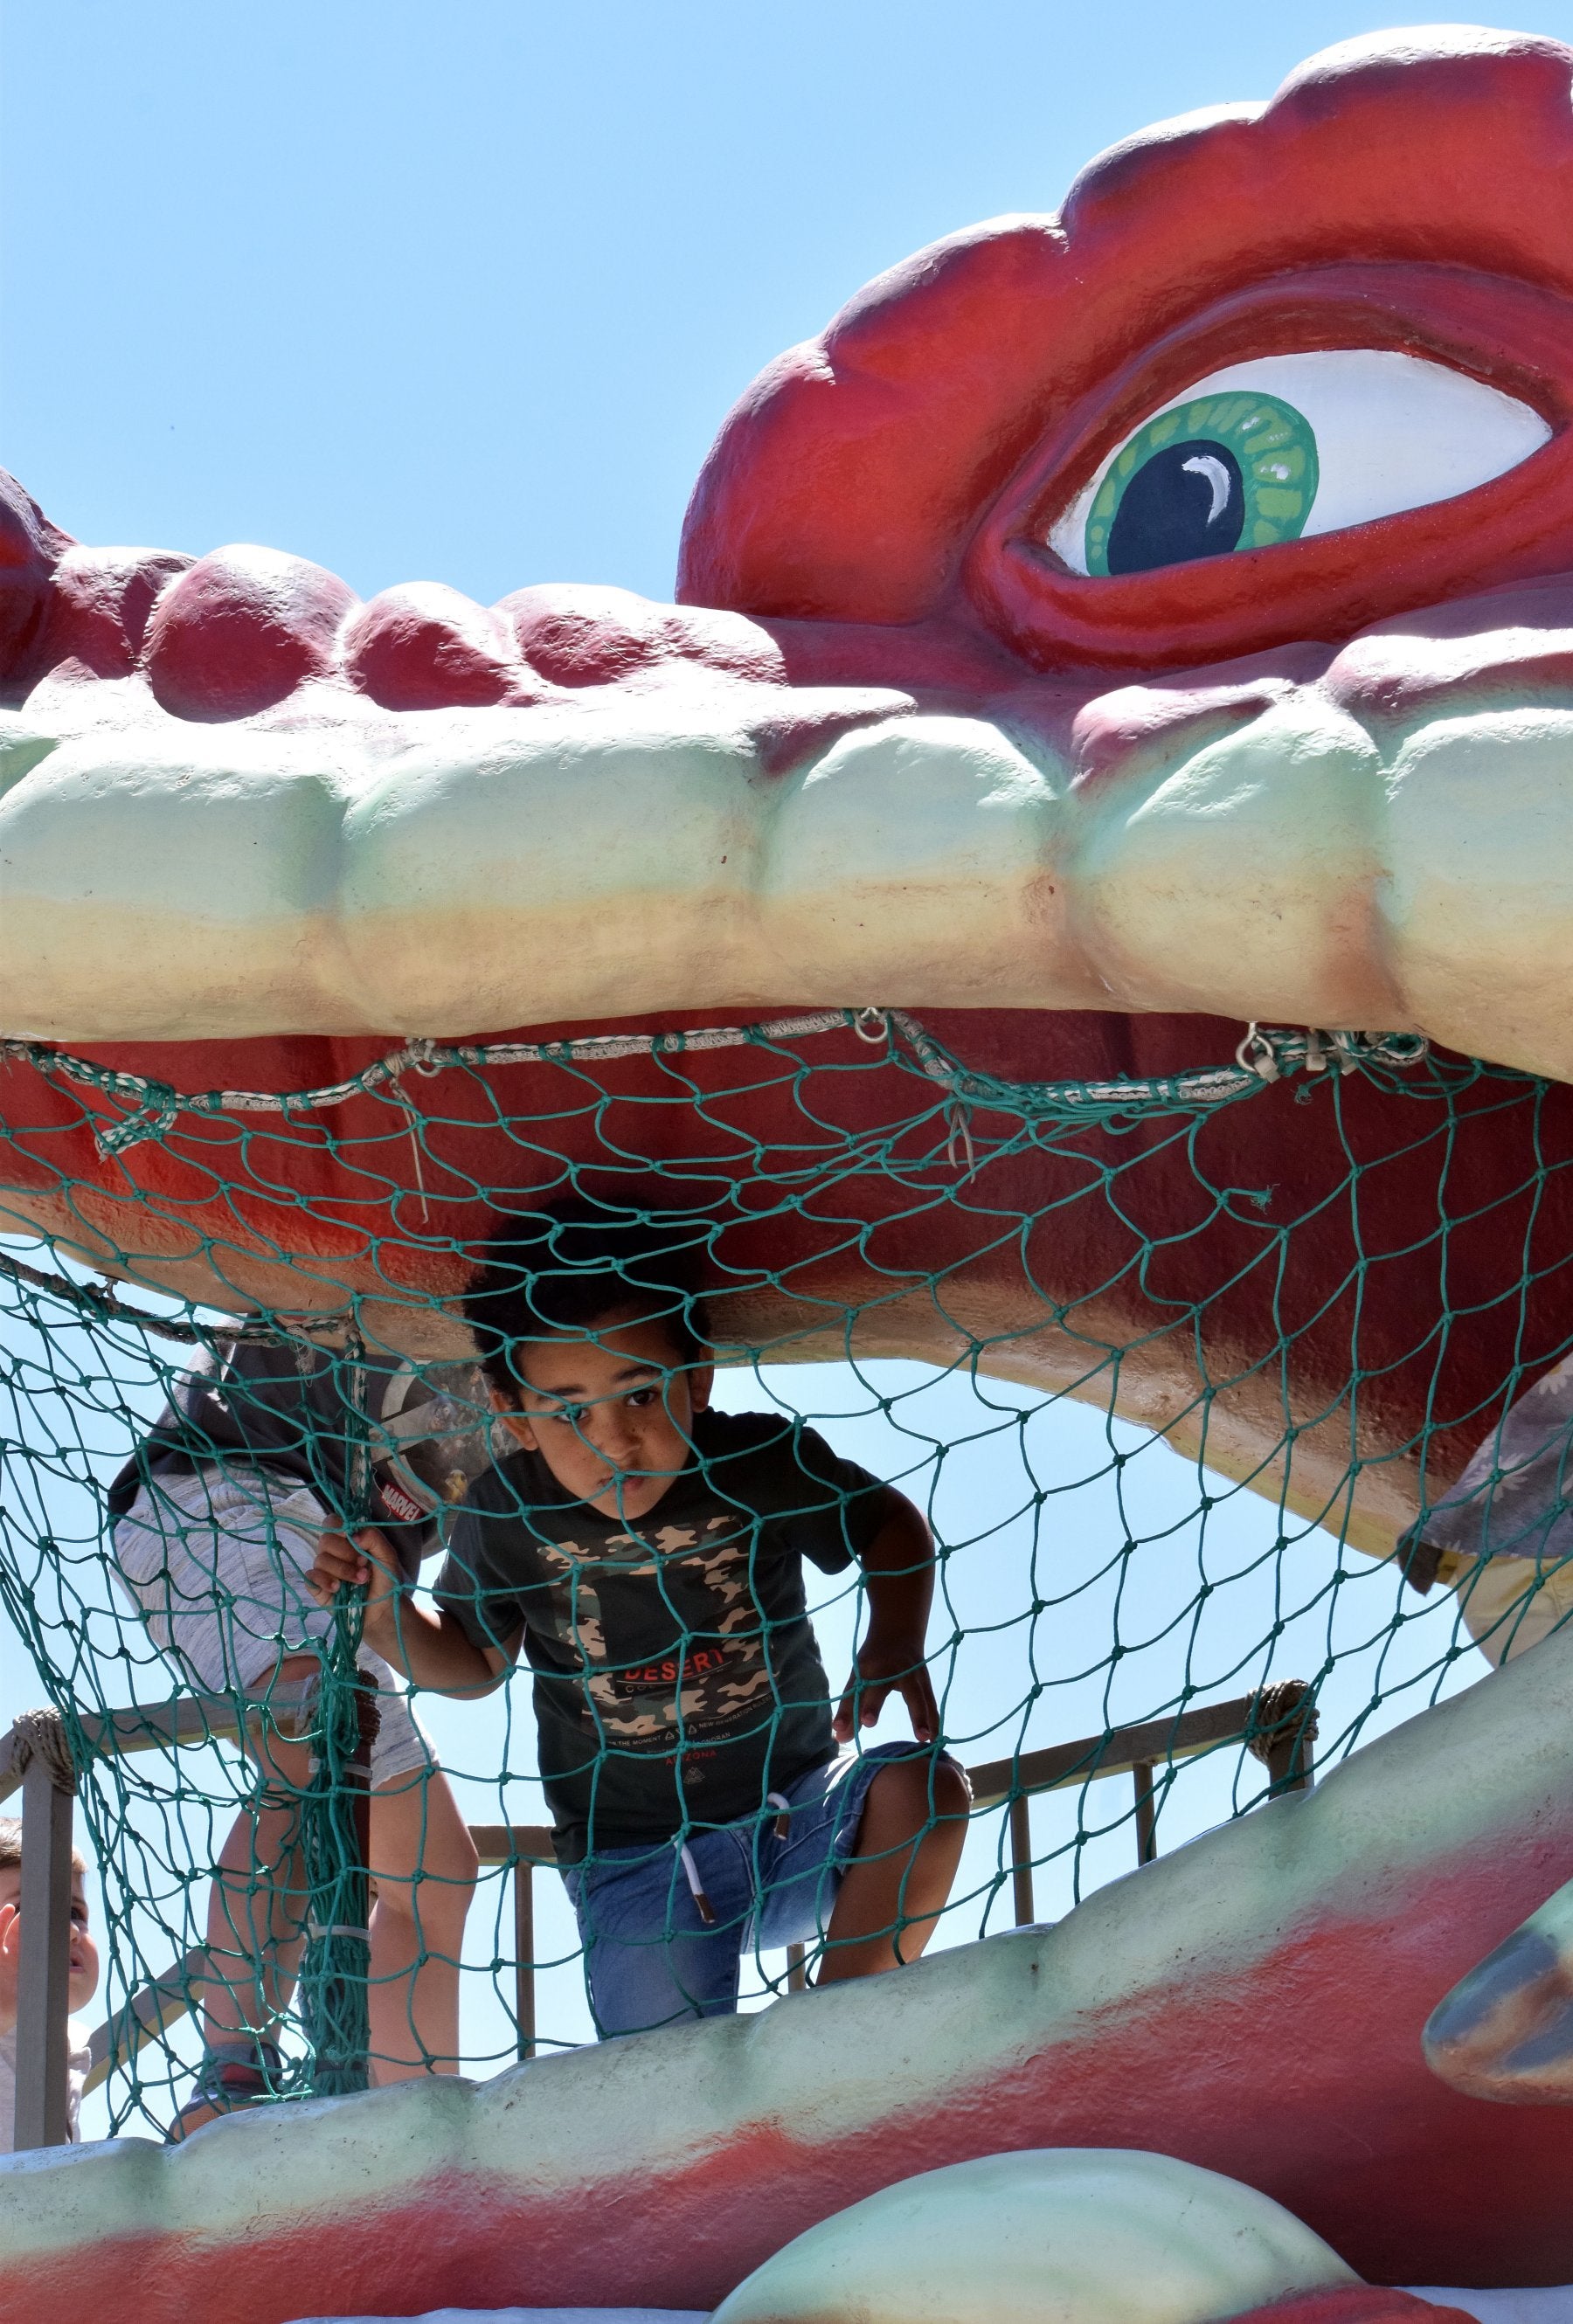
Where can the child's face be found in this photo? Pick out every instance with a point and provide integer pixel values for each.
(84, 1972)
(611, 1416)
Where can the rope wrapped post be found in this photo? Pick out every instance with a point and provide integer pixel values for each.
(1284, 1722)
(42, 1748)
(336, 1818)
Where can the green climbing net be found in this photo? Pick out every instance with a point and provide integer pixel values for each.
(1096, 1575)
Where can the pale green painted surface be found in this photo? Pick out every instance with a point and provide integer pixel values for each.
(1058, 2236)
(827, 2065)
(329, 867)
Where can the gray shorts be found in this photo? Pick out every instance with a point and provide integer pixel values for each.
(215, 1562)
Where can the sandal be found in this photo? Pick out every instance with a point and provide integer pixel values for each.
(243, 2072)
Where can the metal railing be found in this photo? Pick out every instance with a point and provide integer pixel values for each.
(1277, 1724)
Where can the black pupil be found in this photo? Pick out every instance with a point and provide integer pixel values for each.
(1187, 502)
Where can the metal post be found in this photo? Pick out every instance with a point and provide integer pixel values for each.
(525, 1954)
(1290, 1764)
(43, 2116)
(1021, 1817)
(797, 1968)
(1146, 1813)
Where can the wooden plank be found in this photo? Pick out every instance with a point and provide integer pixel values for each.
(192, 1719)
(500, 1843)
(43, 1977)
(151, 2009)
(1137, 1751)
(1115, 1753)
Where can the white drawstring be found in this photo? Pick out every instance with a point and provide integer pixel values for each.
(783, 1825)
(696, 1887)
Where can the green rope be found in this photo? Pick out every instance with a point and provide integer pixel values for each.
(1090, 1583)
(334, 1976)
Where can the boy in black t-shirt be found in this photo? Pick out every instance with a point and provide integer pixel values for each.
(646, 1555)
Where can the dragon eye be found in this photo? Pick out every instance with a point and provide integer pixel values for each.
(1290, 446)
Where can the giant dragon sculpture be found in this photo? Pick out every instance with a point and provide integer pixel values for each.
(1118, 627)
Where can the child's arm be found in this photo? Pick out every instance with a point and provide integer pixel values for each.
(898, 1577)
(430, 1649)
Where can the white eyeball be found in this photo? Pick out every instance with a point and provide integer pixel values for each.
(1290, 446)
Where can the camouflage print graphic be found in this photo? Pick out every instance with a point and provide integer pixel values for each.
(677, 1677)
(710, 1677)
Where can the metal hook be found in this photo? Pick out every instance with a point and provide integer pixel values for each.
(1256, 1054)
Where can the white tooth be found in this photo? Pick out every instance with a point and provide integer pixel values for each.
(628, 854)
(920, 860)
(1480, 894)
(201, 862)
(564, 867)
(1242, 880)
(562, 862)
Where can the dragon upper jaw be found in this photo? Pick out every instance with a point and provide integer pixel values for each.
(1375, 836)
(266, 829)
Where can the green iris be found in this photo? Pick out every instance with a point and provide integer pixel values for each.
(1230, 471)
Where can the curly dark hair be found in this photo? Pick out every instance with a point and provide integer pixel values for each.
(575, 1269)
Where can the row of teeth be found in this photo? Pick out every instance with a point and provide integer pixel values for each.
(513, 868)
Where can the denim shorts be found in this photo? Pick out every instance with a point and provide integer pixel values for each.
(650, 1958)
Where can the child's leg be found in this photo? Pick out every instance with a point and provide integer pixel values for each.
(423, 1862)
(909, 1844)
(256, 1907)
(650, 1956)
(216, 1563)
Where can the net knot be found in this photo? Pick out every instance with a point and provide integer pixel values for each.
(42, 1735)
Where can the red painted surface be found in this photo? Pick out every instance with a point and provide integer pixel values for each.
(896, 473)
(1300, 2073)
(424, 647)
(1355, 2304)
(241, 630)
(874, 505)
(887, 472)
(215, 1179)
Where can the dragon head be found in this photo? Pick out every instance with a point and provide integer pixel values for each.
(1118, 621)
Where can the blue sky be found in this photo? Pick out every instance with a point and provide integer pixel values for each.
(463, 293)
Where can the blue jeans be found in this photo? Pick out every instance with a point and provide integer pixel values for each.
(650, 1958)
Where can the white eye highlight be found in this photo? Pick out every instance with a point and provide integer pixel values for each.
(1288, 446)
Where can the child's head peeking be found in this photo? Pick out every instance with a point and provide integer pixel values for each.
(594, 1343)
(84, 1953)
